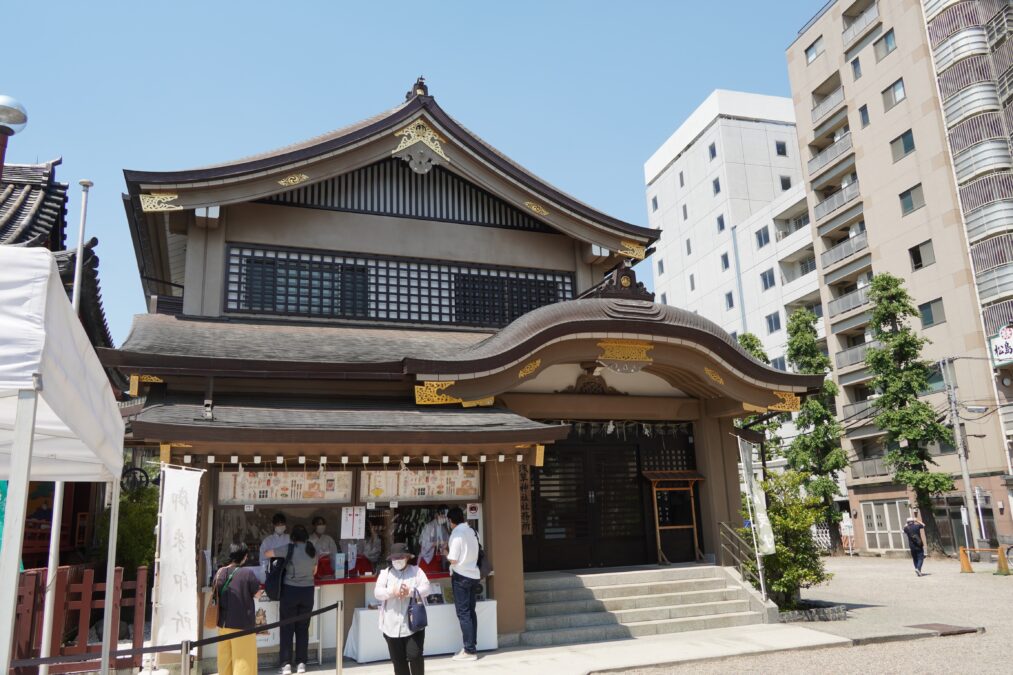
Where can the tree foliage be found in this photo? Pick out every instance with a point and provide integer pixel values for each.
(900, 378)
(816, 448)
(796, 562)
(135, 538)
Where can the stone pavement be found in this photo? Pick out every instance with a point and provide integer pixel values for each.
(884, 598)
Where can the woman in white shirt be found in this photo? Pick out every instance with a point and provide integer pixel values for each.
(394, 588)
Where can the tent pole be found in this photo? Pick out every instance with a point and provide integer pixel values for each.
(110, 633)
(14, 523)
(51, 571)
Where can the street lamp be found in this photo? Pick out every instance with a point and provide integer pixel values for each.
(13, 118)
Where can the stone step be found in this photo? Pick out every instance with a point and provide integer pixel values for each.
(634, 602)
(624, 590)
(544, 638)
(630, 616)
(547, 581)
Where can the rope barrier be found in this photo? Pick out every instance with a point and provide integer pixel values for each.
(123, 653)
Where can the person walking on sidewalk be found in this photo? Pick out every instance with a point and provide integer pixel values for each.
(464, 580)
(395, 588)
(296, 598)
(915, 531)
(237, 587)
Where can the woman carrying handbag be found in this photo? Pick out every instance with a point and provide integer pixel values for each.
(232, 607)
(401, 590)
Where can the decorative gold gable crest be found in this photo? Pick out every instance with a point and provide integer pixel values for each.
(431, 393)
(420, 146)
(632, 249)
(789, 402)
(159, 201)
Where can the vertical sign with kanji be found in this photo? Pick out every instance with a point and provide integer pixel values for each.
(176, 596)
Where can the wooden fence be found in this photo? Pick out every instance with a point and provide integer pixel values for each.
(80, 602)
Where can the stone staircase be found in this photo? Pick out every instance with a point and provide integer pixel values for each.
(611, 604)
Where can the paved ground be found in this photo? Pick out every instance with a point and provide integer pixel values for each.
(884, 597)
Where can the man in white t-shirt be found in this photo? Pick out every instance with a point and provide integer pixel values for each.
(464, 579)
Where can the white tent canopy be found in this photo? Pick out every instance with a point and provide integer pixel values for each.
(78, 428)
(58, 418)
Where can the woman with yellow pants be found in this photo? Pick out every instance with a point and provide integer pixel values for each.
(237, 587)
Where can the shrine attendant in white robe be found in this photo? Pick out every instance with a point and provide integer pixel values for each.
(433, 542)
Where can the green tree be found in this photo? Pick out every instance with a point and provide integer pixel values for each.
(796, 562)
(135, 539)
(771, 428)
(900, 377)
(816, 448)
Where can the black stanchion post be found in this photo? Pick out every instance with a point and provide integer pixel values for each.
(339, 644)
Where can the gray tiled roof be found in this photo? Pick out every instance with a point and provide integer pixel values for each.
(33, 206)
(176, 335)
(321, 415)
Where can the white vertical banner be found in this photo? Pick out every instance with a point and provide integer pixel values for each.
(754, 491)
(176, 594)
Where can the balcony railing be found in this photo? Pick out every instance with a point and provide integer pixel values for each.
(834, 99)
(836, 201)
(845, 249)
(858, 410)
(830, 153)
(858, 26)
(846, 303)
(869, 468)
(853, 355)
(996, 316)
(992, 253)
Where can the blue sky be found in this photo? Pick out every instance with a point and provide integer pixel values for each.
(581, 93)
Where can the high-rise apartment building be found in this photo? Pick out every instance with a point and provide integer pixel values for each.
(904, 128)
(725, 190)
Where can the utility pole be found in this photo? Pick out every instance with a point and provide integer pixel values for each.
(950, 380)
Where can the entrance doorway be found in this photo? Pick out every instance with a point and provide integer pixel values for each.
(590, 505)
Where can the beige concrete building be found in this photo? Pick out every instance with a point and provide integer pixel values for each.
(905, 130)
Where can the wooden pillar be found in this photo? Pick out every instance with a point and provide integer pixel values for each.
(502, 522)
(717, 459)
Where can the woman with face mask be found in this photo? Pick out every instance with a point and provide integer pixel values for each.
(395, 586)
(323, 542)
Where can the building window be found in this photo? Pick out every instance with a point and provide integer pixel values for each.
(767, 279)
(856, 68)
(721, 223)
(863, 115)
(716, 184)
(778, 363)
(685, 212)
(692, 283)
(664, 299)
(781, 148)
(762, 237)
(342, 285)
(922, 255)
(729, 300)
(712, 150)
(903, 145)
(654, 203)
(785, 182)
(885, 45)
(661, 267)
(773, 322)
(682, 181)
(689, 248)
(932, 313)
(814, 50)
(911, 200)
(894, 94)
(724, 261)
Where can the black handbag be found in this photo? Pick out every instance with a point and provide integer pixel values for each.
(276, 575)
(417, 617)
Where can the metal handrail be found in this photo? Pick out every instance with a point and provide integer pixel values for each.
(830, 153)
(845, 249)
(738, 551)
(836, 200)
(831, 101)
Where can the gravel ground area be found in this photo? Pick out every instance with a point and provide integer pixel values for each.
(884, 596)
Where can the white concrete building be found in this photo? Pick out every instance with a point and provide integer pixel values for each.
(726, 190)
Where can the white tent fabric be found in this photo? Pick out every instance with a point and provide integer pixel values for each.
(78, 430)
